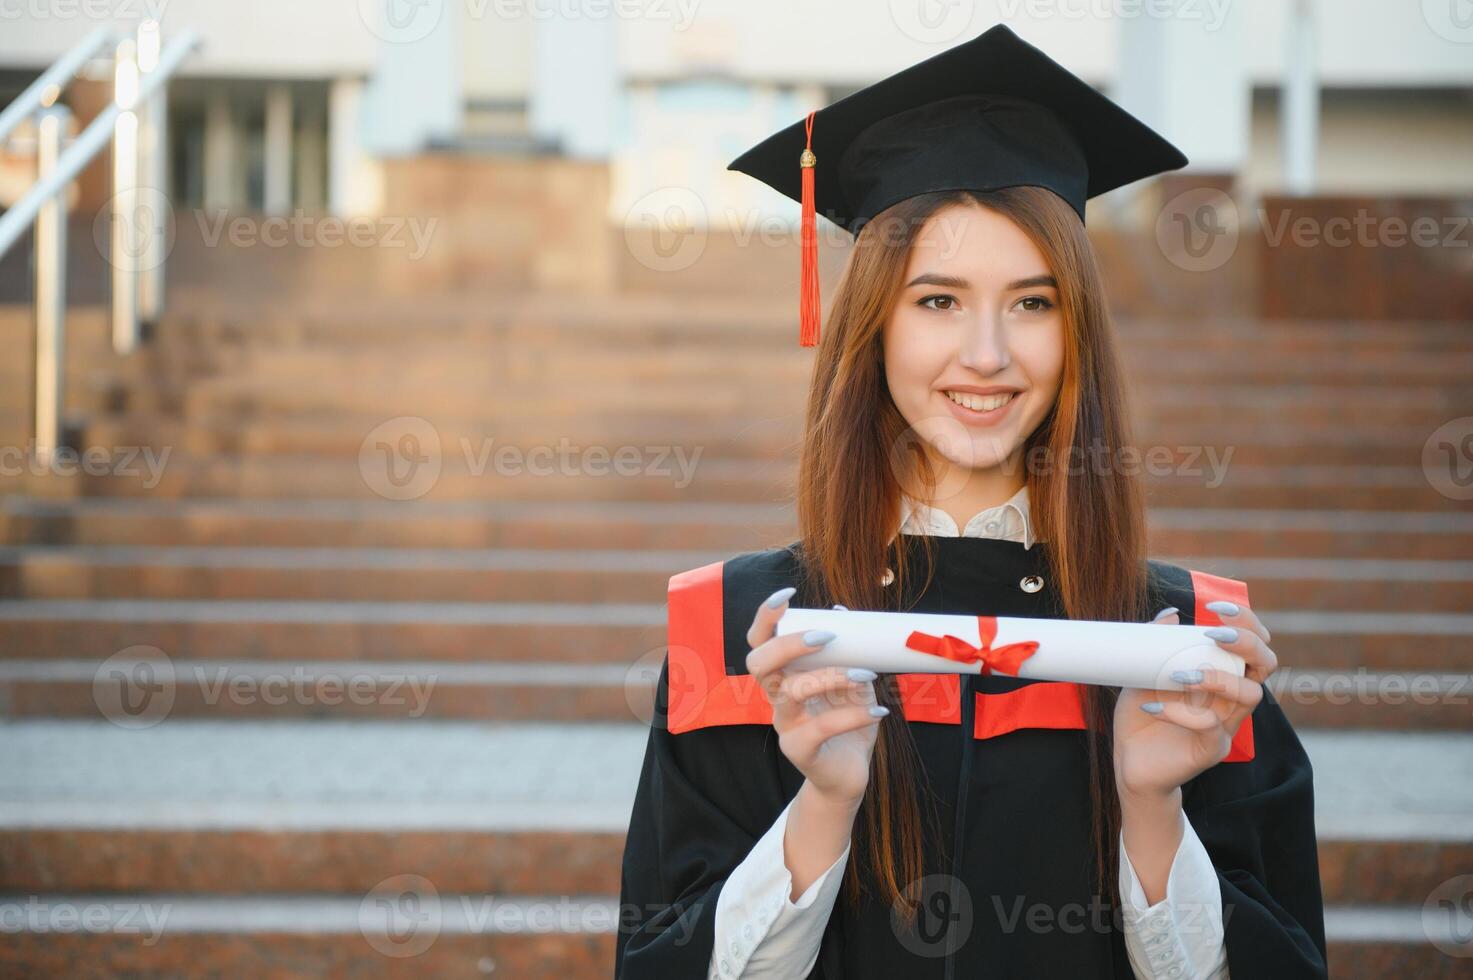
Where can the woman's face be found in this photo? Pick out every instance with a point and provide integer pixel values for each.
(974, 348)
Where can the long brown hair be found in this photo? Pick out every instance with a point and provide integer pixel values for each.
(849, 491)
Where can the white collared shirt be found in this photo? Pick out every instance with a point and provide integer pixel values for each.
(1009, 520)
(761, 933)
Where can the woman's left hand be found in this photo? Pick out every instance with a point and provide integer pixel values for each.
(1193, 731)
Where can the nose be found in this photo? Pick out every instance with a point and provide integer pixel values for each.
(984, 345)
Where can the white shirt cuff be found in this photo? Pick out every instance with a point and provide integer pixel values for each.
(760, 931)
(1180, 936)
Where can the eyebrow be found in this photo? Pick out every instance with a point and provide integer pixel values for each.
(957, 282)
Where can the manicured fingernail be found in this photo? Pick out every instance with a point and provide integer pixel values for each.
(878, 711)
(1223, 608)
(1223, 634)
(859, 675)
(817, 638)
(1164, 613)
(1186, 676)
(1153, 707)
(840, 605)
(779, 597)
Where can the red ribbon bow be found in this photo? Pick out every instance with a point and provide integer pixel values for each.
(1006, 658)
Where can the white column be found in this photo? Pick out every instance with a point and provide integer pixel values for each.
(1184, 73)
(221, 153)
(1300, 101)
(277, 170)
(575, 84)
(414, 96)
(354, 179)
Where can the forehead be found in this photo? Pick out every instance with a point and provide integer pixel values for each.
(975, 243)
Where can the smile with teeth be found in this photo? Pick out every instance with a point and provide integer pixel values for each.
(980, 403)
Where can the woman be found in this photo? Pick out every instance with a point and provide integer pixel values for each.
(833, 823)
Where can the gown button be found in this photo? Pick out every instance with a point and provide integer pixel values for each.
(888, 577)
(1031, 583)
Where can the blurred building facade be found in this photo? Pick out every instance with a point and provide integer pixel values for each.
(299, 105)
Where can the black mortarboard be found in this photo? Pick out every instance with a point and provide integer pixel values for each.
(992, 112)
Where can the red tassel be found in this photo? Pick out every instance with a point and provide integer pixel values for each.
(809, 311)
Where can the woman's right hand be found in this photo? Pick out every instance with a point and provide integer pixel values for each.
(826, 719)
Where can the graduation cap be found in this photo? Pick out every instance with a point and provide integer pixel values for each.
(991, 112)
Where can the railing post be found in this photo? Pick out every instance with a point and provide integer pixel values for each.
(50, 243)
(153, 147)
(128, 238)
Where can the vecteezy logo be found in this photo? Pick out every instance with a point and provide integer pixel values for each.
(950, 438)
(1197, 230)
(665, 230)
(1447, 459)
(687, 680)
(1447, 916)
(932, 21)
(134, 688)
(400, 458)
(1450, 19)
(400, 21)
(943, 916)
(401, 916)
(146, 215)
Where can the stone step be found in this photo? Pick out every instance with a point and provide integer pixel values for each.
(343, 436)
(476, 362)
(600, 473)
(348, 318)
(351, 320)
(527, 937)
(609, 633)
(494, 692)
(488, 356)
(461, 524)
(1169, 445)
(406, 574)
(432, 397)
(289, 630)
(358, 320)
(485, 398)
(338, 806)
(1388, 701)
(704, 526)
(610, 575)
(614, 692)
(1368, 941)
(384, 796)
(431, 314)
(564, 473)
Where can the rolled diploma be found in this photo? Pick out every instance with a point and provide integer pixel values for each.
(1078, 650)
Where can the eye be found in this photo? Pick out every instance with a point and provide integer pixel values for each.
(1036, 304)
(951, 300)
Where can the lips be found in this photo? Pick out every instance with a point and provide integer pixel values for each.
(980, 403)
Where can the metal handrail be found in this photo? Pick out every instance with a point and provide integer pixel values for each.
(139, 104)
(44, 90)
(15, 221)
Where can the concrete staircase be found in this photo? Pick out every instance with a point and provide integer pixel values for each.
(336, 656)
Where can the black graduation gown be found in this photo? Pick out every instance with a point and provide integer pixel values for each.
(714, 780)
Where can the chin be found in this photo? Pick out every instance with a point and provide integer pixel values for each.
(985, 453)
